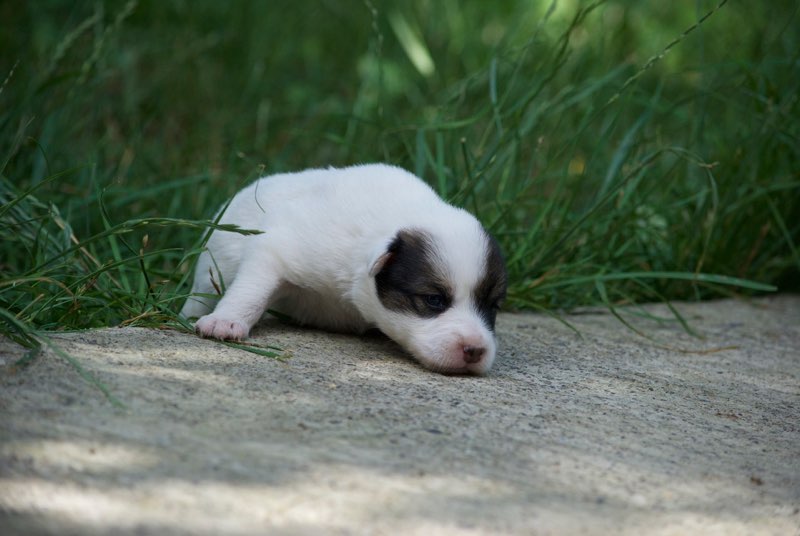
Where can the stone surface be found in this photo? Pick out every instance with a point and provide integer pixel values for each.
(605, 432)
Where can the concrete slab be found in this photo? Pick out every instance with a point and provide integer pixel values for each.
(603, 433)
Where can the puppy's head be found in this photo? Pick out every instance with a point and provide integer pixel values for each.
(438, 293)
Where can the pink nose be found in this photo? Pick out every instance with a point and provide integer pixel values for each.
(473, 354)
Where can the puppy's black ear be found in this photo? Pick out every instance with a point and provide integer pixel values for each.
(381, 262)
(378, 265)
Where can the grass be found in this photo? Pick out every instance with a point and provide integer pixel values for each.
(622, 152)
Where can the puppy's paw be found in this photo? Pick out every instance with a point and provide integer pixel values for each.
(220, 328)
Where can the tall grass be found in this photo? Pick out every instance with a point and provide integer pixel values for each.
(621, 151)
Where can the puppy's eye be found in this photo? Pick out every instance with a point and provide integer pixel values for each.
(435, 302)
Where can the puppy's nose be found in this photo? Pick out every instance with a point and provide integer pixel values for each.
(473, 354)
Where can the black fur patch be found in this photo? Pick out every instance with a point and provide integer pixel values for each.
(410, 281)
(491, 289)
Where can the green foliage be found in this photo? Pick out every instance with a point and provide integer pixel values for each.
(620, 151)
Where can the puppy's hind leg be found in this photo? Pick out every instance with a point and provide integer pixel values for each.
(197, 306)
(244, 301)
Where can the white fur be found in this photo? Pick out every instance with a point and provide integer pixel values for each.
(324, 230)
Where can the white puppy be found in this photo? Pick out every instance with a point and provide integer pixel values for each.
(351, 249)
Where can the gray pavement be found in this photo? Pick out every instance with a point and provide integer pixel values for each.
(603, 433)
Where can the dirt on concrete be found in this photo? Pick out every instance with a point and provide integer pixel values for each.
(605, 432)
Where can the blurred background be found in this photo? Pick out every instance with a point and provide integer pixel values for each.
(622, 151)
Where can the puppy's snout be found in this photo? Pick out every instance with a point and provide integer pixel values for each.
(473, 354)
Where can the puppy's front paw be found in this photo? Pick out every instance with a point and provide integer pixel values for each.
(220, 328)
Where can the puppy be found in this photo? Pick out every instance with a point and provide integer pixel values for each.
(351, 249)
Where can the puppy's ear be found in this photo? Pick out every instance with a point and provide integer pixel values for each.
(378, 265)
(386, 256)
